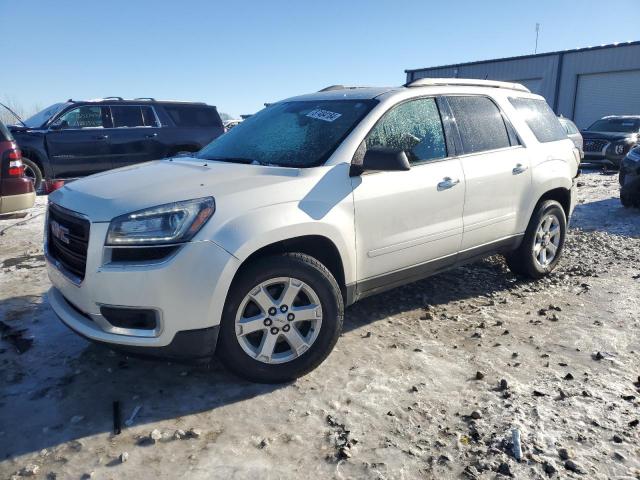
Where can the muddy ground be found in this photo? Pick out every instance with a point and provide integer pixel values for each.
(412, 389)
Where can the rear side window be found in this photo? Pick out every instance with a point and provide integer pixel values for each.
(194, 116)
(133, 116)
(569, 127)
(5, 134)
(480, 124)
(414, 127)
(540, 118)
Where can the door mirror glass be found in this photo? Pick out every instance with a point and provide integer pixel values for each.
(385, 159)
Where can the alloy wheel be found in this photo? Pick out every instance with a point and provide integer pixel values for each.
(547, 240)
(278, 320)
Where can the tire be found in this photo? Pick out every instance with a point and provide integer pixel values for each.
(272, 328)
(625, 201)
(32, 171)
(526, 259)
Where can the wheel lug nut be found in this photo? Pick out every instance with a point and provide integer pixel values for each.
(286, 328)
(267, 322)
(284, 308)
(291, 316)
(274, 330)
(272, 311)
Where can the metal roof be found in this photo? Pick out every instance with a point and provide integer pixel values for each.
(522, 57)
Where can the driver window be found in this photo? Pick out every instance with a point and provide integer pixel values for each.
(88, 116)
(414, 127)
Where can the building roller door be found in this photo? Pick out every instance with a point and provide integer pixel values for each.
(601, 94)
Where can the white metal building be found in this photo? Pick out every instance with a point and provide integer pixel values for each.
(583, 84)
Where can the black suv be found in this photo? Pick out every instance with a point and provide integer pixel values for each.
(77, 138)
(609, 139)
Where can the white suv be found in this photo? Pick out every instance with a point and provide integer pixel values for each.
(254, 246)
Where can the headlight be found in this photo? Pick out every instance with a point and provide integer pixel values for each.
(165, 224)
(619, 149)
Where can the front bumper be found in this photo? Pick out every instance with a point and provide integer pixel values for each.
(187, 290)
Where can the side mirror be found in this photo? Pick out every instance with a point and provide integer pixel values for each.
(59, 126)
(385, 159)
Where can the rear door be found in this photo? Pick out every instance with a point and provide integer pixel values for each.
(135, 137)
(408, 223)
(78, 142)
(496, 171)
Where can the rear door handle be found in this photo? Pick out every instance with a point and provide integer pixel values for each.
(151, 135)
(447, 183)
(102, 137)
(519, 168)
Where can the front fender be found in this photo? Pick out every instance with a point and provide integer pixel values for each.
(32, 145)
(261, 227)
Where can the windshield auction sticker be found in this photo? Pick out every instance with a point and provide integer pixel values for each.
(324, 115)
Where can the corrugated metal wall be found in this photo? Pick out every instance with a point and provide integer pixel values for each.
(554, 76)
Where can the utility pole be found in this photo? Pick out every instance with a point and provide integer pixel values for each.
(537, 33)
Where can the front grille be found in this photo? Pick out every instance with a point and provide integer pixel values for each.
(594, 145)
(68, 239)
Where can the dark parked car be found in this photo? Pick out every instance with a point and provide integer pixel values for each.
(77, 138)
(609, 139)
(16, 191)
(630, 179)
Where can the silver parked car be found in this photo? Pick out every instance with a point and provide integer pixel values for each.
(573, 133)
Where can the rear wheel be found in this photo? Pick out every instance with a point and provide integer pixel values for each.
(543, 241)
(33, 172)
(282, 318)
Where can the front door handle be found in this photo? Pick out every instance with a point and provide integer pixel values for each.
(102, 137)
(519, 168)
(447, 182)
(151, 135)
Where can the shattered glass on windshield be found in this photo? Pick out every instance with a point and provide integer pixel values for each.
(292, 134)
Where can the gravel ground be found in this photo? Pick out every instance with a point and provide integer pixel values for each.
(428, 381)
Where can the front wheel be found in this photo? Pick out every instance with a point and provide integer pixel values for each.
(282, 318)
(32, 172)
(541, 247)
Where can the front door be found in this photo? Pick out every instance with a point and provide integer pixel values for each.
(408, 223)
(78, 142)
(496, 171)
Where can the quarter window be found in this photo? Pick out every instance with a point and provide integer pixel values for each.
(194, 116)
(414, 127)
(480, 124)
(88, 116)
(540, 118)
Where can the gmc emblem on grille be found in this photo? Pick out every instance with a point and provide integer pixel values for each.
(59, 232)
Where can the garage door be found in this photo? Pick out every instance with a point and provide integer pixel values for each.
(602, 94)
(533, 84)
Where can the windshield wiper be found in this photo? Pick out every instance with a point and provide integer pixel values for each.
(247, 161)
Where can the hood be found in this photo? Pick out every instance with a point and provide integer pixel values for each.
(107, 195)
(611, 136)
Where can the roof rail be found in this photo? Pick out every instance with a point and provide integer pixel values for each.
(145, 98)
(112, 98)
(467, 82)
(331, 88)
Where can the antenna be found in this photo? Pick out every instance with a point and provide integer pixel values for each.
(537, 33)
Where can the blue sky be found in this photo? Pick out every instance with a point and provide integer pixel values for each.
(239, 54)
